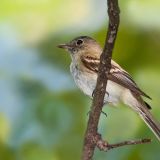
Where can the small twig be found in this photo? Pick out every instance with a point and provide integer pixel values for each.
(105, 146)
(131, 142)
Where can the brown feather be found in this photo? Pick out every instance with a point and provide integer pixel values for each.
(117, 74)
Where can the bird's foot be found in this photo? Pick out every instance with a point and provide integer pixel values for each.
(104, 113)
(107, 93)
(93, 93)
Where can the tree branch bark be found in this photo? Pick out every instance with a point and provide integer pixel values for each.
(92, 138)
(100, 90)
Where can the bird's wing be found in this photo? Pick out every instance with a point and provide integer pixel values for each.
(117, 74)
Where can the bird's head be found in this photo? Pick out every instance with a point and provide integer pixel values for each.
(82, 45)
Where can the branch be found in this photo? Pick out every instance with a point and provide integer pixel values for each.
(92, 138)
(99, 93)
(105, 146)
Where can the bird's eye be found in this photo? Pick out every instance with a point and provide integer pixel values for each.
(79, 42)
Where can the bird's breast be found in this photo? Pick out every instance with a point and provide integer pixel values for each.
(87, 83)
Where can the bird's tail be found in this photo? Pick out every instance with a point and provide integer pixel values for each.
(147, 117)
(142, 108)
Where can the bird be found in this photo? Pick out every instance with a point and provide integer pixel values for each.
(85, 55)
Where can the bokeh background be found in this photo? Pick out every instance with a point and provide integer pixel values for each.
(42, 113)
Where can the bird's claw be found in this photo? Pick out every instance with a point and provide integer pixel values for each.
(93, 93)
(107, 93)
(105, 114)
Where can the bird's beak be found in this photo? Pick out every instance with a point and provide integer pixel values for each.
(64, 46)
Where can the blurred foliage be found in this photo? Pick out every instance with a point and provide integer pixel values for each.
(42, 113)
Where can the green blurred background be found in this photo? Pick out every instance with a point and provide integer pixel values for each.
(43, 115)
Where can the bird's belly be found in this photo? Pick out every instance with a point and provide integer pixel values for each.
(84, 83)
(87, 83)
(114, 91)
